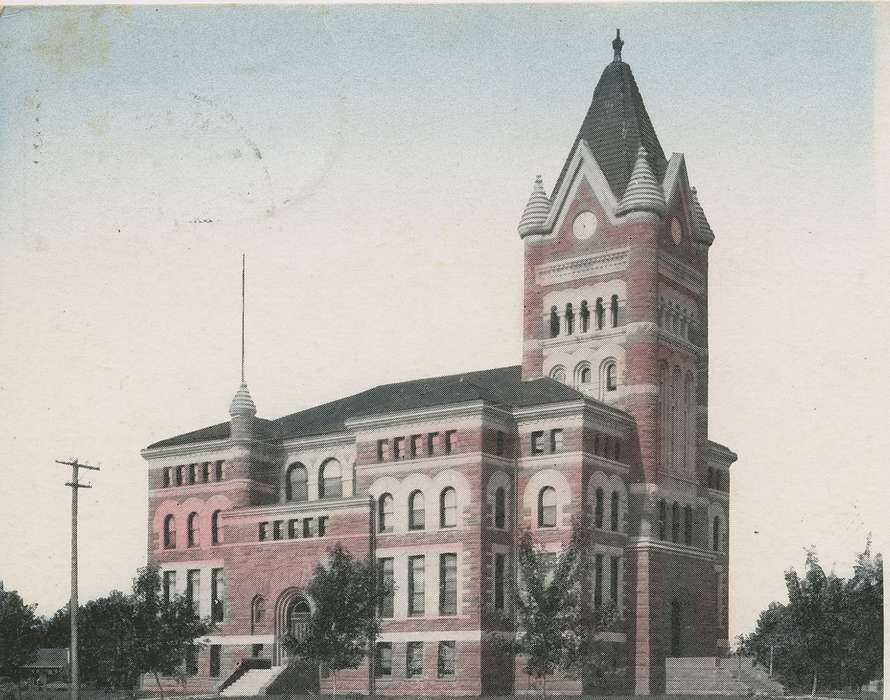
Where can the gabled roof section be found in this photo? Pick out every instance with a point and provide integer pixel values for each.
(503, 386)
(615, 126)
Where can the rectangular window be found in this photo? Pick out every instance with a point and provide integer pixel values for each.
(215, 650)
(613, 578)
(414, 660)
(263, 533)
(308, 527)
(450, 441)
(191, 660)
(448, 584)
(179, 476)
(383, 666)
(499, 565)
(169, 585)
(276, 530)
(446, 659)
(500, 446)
(382, 450)
(293, 531)
(387, 581)
(598, 580)
(662, 520)
(322, 525)
(398, 448)
(687, 525)
(219, 470)
(556, 440)
(193, 588)
(432, 444)
(217, 595)
(416, 446)
(205, 472)
(598, 509)
(537, 442)
(617, 450)
(416, 585)
(192, 468)
(166, 477)
(614, 511)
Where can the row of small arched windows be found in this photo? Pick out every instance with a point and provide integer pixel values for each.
(583, 317)
(193, 530)
(675, 522)
(330, 481)
(417, 510)
(584, 374)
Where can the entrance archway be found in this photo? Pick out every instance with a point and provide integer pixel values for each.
(292, 612)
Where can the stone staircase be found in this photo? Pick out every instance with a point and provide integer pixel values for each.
(253, 682)
(714, 676)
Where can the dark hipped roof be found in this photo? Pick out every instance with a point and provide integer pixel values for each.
(614, 127)
(503, 386)
(49, 658)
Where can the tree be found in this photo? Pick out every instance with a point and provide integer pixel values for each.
(864, 612)
(163, 630)
(20, 631)
(346, 596)
(556, 625)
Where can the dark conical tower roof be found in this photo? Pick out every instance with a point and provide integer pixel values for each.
(616, 125)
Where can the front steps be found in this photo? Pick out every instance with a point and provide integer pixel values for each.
(253, 682)
(712, 676)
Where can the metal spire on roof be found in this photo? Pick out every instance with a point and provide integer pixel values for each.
(242, 403)
(617, 43)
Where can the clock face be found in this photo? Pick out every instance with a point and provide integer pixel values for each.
(584, 225)
(676, 231)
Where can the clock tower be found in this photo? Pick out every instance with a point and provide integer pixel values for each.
(615, 305)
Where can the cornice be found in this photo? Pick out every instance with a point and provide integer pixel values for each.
(569, 342)
(313, 441)
(192, 448)
(562, 409)
(581, 267)
(214, 486)
(684, 550)
(720, 453)
(280, 510)
(682, 274)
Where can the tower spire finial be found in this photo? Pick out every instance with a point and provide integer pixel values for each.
(243, 266)
(617, 43)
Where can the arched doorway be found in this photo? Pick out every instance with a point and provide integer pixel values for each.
(293, 611)
(298, 613)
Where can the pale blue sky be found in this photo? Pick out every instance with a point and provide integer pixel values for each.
(373, 162)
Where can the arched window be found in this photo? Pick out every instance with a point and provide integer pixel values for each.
(662, 519)
(258, 612)
(600, 314)
(385, 513)
(687, 525)
(710, 477)
(296, 488)
(675, 522)
(596, 444)
(614, 311)
(598, 509)
(554, 322)
(448, 507)
(716, 533)
(611, 376)
(570, 320)
(500, 507)
(584, 315)
(215, 530)
(169, 532)
(718, 480)
(584, 375)
(614, 513)
(416, 511)
(330, 480)
(676, 629)
(617, 455)
(193, 530)
(547, 507)
(559, 374)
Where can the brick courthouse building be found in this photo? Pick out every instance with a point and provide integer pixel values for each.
(606, 417)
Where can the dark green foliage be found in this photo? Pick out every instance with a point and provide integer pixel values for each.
(830, 633)
(346, 595)
(20, 631)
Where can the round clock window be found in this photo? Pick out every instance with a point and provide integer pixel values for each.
(676, 231)
(584, 225)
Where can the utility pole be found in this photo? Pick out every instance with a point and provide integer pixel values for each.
(72, 607)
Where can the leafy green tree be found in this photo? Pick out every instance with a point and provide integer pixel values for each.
(865, 618)
(556, 625)
(20, 631)
(162, 630)
(346, 596)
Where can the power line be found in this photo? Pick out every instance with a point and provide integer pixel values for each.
(75, 486)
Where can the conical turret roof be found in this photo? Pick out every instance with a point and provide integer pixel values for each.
(643, 192)
(535, 215)
(615, 126)
(242, 403)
